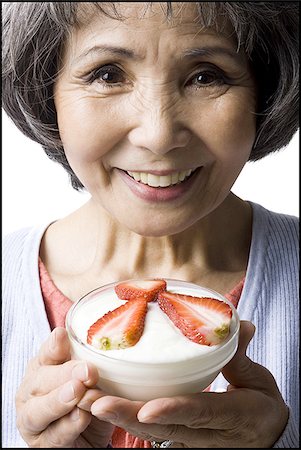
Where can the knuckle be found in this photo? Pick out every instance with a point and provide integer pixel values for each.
(66, 369)
(38, 385)
(53, 408)
(55, 439)
(172, 430)
(33, 441)
(199, 418)
(27, 421)
(168, 432)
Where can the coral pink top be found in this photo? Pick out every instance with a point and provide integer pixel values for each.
(57, 305)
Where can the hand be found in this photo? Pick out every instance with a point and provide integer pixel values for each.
(46, 401)
(251, 414)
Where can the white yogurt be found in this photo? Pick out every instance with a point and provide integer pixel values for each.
(161, 340)
(163, 362)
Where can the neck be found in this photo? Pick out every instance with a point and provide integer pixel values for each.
(95, 250)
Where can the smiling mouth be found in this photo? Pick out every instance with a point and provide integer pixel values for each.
(162, 181)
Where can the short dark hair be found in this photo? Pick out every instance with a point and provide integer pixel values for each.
(34, 33)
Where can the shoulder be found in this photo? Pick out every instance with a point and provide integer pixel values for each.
(280, 230)
(19, 245)
(15, 241)
(15, 238)
(13, 246)
(21, 292)
(274, 254)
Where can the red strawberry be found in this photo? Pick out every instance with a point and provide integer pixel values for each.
(146, 289)
(201, 319)
(120, 328)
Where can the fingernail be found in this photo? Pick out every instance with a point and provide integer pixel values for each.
(81, 372)
(148, 419)
(67, 393)
(107, 416)
(86, 405)
(74, 415)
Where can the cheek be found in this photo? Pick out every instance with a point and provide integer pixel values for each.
(231, 128)
(88, 128)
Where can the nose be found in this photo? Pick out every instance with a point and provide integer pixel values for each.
(158, 127)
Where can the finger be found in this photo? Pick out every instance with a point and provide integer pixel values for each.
(205, 410)
(55, 350)
(63, 432)
(39, 412)
(109, 408)
(89, 397)
(241, 371)
(48, 378)
(57, 375)
(246, 334)
(123, 413)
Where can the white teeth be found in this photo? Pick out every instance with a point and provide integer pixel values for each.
(135, 175)
(182, 175)
(160, 180)
(175, 178)
(144, 177)
(165, 181)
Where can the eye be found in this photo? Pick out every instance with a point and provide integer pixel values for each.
(207, 78)
(108, 76)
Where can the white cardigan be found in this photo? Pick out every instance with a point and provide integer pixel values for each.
(270, 299)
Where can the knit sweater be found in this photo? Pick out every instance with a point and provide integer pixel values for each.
(270, 300)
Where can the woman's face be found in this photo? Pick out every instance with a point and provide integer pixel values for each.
(156, 117)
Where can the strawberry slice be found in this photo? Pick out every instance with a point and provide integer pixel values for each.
(203, 320)
(120, 328)
(144, 289)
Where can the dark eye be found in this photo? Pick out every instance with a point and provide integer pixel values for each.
(207, 78)
(108, 75)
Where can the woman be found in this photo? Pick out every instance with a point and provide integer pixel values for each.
(154, 109)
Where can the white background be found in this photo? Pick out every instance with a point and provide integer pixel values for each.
(36, 190)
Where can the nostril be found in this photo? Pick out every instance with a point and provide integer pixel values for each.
(159, 138)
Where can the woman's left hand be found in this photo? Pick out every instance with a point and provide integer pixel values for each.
(251, 414)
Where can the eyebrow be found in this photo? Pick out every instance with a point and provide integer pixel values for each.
(130, 54)
(211, 51)
(107, 49)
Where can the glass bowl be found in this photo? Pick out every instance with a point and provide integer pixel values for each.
(164, 363)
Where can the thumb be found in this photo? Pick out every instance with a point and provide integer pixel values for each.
(246, 333)
(241, 371)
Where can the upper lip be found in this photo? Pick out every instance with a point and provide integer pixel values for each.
(161, 172)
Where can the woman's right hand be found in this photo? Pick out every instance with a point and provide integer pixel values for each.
(46, 401)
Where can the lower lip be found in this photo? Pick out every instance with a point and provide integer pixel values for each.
(159, 194)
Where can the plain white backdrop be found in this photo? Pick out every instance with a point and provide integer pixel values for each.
(36, 190)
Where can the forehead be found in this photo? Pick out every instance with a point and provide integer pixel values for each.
(159, 13)
(145, 22)
(174, 11)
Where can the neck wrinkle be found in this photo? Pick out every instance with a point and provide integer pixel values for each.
(201, 246)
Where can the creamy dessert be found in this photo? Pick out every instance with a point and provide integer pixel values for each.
(149, 343)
